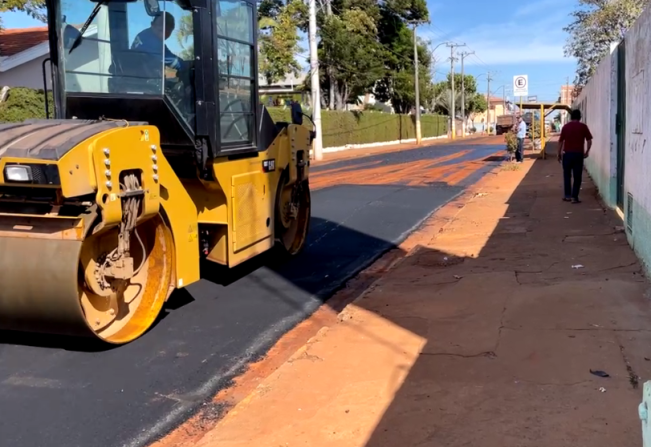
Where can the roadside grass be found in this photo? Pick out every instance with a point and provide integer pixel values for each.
(510, 166)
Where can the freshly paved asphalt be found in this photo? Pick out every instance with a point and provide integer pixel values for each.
(58, 392)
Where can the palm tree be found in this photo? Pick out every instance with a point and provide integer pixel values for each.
(443, 101)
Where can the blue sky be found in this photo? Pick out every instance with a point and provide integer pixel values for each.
(508, 37)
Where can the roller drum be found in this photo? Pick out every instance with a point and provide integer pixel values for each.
(44, 284)
(39, 289)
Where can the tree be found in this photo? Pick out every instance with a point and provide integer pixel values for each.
(269, 8)
(595, 26)
(403, 97)
(366, 47)
(278, 39)
(183, 35)
(398, 83)
(35, 8)
(474, 102)
(349, 48)
(442, 100)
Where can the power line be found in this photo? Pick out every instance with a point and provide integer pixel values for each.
(471, 49)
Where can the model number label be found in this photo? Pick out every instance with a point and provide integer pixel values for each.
(269, 165)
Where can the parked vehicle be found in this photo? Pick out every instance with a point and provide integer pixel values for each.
(507, 122)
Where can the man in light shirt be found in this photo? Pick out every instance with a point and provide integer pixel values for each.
(522, 133)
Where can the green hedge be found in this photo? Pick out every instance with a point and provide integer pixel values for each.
(339, 128)
(342, 128)
(24, 103)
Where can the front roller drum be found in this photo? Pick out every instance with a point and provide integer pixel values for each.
(44, 284)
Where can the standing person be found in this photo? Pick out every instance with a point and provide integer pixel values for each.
(572, 152)
(522, 133)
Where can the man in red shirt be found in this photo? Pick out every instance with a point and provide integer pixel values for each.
(571, 152)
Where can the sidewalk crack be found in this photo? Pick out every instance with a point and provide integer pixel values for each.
(501, 326)
(617, 267)
(633, 378)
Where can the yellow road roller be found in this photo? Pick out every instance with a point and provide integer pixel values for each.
(159, 155)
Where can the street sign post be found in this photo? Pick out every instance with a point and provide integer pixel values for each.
(521, 85)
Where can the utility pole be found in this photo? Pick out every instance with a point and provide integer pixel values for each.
(463, 93)
(567, 83)
(452, 106)
(331, 76)
(488, 98)
(504, 98)
(316, 93)
(418, 134)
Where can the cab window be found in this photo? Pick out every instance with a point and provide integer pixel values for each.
(236, 72)
(129, 50)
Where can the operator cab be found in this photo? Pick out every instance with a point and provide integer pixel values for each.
(188, 67)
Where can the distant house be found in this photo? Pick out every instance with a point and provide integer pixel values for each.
(22, 52)
(369, 99)
(496, 108)
(279, 92)
(566, 97)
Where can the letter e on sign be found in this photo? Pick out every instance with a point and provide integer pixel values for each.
(521, 85)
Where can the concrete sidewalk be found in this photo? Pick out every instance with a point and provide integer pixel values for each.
(484, 333)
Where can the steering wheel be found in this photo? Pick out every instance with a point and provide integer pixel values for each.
(179, 88)
(184, 72)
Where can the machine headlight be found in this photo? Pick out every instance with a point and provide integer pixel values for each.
(18, 173)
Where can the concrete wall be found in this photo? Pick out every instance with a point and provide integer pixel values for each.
(599, 100)
(637, 176)
(598, 104)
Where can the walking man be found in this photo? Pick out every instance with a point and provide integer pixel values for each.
(522, 133)
(571, 152)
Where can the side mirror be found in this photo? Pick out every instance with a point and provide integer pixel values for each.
(312, 132)
(297, 113)
(152, 7)
(70, 36)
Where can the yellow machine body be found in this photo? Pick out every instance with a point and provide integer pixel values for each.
(52, 248)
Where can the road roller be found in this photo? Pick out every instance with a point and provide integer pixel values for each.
(159, 158)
